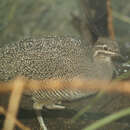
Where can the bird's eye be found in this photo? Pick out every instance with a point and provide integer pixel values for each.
(105, 47)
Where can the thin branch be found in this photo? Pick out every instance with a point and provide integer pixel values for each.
(75, 83)
(19, 124)
(18, 86)
(110, 23)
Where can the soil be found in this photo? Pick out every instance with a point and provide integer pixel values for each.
(62, 119)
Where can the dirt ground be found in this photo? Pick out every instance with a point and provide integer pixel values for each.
(61, 119)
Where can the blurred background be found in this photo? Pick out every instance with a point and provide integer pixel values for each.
(21, 18)
(84, 19)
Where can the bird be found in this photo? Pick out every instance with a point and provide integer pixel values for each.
(57, 57)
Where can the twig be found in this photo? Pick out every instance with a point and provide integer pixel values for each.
(75, 83)
(19, 124)
(110, 23)
(18, 86)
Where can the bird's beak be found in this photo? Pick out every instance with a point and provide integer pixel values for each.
(118, 56)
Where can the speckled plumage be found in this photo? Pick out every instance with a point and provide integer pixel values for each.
(47, 57)
(43, 58)
(54, 57)
(51, 57)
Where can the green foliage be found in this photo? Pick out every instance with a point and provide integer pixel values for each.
(108, 119)
(124, 76)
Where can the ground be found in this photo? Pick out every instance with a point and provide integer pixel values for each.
(61, 119)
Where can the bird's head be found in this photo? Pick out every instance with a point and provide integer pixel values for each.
(106, 49)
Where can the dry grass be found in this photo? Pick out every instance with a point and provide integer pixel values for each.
(17, 87)
(15, 97)
(55, 84)
(19, 124)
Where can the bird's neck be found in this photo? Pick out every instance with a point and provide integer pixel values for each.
(103, 68)
(102, 59)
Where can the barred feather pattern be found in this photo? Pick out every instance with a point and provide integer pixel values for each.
(51, 57)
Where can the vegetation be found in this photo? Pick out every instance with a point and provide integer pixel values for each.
(23, 18)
